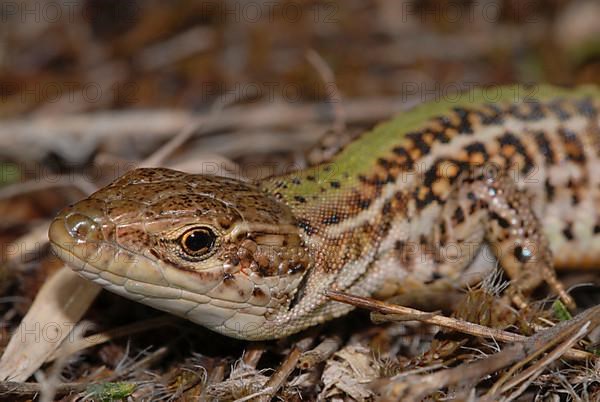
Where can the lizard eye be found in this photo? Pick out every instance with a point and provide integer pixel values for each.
(198, 241)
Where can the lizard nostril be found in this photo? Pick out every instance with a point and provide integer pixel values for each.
(82, 228)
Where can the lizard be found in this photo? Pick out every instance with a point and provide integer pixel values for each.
(508, 177)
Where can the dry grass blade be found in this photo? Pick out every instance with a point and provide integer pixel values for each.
(508, 381)
(50, 379)
(105, 336)
(416, 387)
(33, 138)
(31, 389)
(328, 77)
(20, 188)
(158, 157)
(529, 375)
(34, 240)
(57, 308)
(137, 365)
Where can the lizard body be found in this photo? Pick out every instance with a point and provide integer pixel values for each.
(512, 174)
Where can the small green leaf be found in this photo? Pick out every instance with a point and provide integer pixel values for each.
(111, 391)
(560, 311)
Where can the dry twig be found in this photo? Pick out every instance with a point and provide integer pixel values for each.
(442, 321)
(285, 369)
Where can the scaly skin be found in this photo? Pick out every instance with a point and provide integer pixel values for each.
(421, 199)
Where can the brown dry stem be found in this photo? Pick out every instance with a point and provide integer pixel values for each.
(442, 321)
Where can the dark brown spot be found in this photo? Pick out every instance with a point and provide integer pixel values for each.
(331, 220)
(501, 221)
(443, 228)
(419, 142)
(405, 161)
(439, 135)
(573, 147)
(508, 141)
(492, 115)
(387, 207)
(464, 126)
(306, 226)
(550, 191)
(459, 215)
(477, 149)
(544, 147)
(384, 163)
(363, 203)
(531, 111)
(431, 174)
(574, 199)
(426, 199)
(557, 108)
(586, 107)
(568, 231)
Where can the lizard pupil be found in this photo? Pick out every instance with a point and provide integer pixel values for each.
(198, 241)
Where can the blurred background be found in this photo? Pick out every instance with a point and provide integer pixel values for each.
(88, 89)
(144, 61)
(93, 87)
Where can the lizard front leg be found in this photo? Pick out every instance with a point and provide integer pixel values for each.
(492, 204)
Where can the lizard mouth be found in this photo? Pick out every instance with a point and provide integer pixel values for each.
(89, 248)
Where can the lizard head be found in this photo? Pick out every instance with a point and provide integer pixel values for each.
(217, 251)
